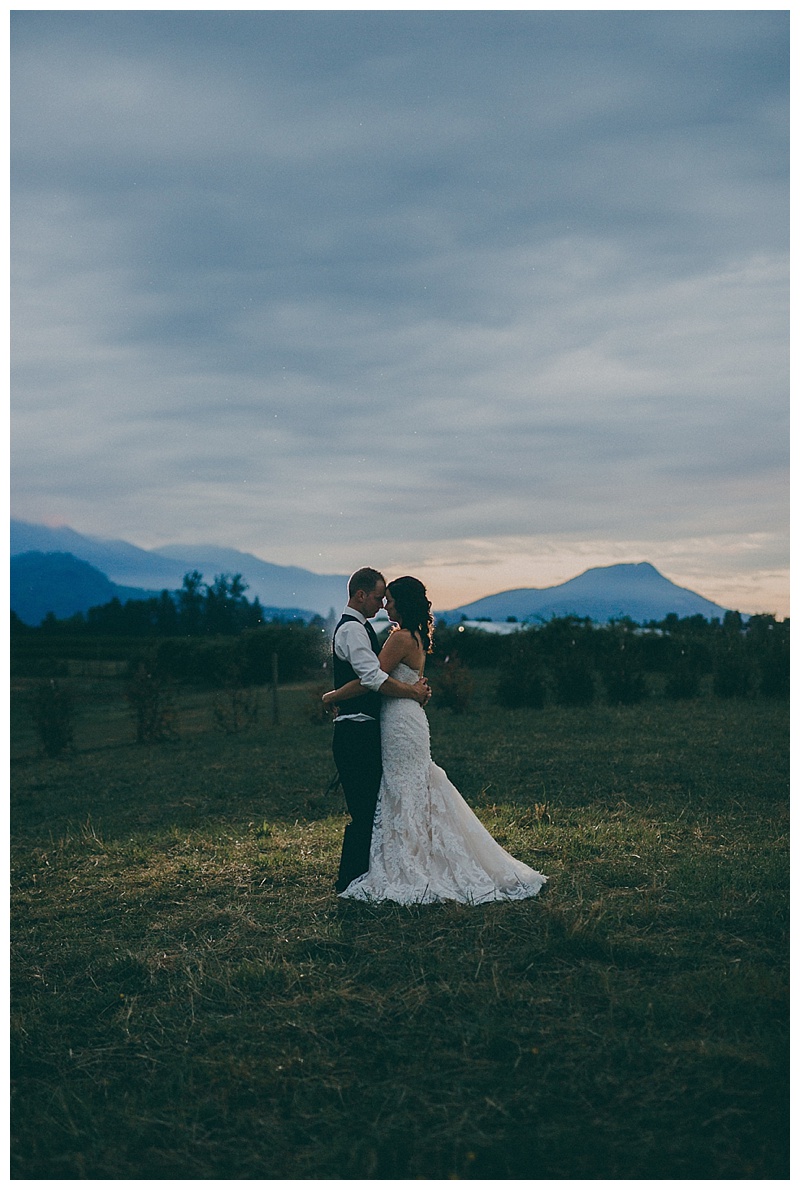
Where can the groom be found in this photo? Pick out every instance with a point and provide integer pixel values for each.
(357, 732)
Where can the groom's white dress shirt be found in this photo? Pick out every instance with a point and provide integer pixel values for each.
(352, 644)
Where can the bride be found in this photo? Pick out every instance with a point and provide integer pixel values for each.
(427, 845)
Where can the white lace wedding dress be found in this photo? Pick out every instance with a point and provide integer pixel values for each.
(427, 845)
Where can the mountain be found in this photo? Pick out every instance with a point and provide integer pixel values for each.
(602, 593)
(62, 584)
(284, 586)
(277, 587)
(637, 590)
(119, 560)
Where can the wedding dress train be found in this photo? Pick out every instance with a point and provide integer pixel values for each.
(427, 844)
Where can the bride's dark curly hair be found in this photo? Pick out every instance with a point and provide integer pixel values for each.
(413, 608)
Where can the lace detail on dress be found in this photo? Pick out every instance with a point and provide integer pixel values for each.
(427, 844)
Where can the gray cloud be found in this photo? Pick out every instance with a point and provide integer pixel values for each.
(492, 274)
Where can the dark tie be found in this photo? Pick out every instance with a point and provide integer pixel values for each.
(373, 640)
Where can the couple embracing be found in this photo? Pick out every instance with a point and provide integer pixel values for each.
(412, 839)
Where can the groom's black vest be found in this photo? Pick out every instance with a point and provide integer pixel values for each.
(368, 703)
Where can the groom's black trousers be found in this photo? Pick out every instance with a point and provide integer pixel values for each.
(357, 753)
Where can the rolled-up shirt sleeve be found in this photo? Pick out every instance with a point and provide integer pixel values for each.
(352, 644)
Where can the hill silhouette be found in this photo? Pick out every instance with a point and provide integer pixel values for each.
(281, 587)
(637, 590)
(62, 584)
(633, 589)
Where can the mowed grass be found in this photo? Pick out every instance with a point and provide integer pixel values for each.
(191, 1000)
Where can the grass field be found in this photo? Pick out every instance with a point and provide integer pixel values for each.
(190, 1000)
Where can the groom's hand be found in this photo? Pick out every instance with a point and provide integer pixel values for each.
(422, 691)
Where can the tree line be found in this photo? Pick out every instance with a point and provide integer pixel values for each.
(187, 636)
(205, 633)
(199, 608)
(574, 662)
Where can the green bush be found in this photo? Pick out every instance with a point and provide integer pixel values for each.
(206, 661)
(476, 648)
(522, 690)
(174, 658)
(624, 681)
(733, 676)
(236, 709)
(454, 685)
(523, 685)
(626, 687)
(150, 699)
(683, 681)
(771, 647)
(574, 684)
(52, 707)
(774, 676)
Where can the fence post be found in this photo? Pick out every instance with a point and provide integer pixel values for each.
(276, 717)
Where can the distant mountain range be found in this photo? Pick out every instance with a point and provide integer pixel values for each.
(151, 571)
(634, 589)
(62, 584)
(62, 571)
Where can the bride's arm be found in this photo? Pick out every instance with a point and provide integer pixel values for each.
(397, 646)
(391, 688)
(349, 690)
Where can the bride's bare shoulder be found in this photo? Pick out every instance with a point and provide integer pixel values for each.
(399, 635)
(399, 646)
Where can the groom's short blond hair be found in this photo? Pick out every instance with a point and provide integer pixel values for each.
(366, 579)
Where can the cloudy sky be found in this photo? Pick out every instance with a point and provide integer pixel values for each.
(489, 297)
